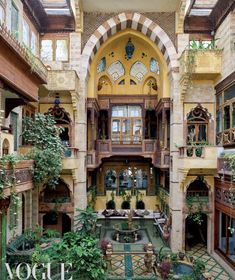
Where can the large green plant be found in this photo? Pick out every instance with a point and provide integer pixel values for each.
(43, 134)
(84, 255)
(85, 221)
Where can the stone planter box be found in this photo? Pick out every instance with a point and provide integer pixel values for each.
(207, 64)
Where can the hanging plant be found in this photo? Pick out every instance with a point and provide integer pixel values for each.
(48, 150)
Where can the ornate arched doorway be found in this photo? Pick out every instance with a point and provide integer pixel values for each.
(196, 222)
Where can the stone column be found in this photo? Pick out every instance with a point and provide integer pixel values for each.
(80, 173)
(176, 193)
(35, 210)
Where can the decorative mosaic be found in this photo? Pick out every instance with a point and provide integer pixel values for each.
(101, 65)
(154, 66)
(116, 70)
(138, 70)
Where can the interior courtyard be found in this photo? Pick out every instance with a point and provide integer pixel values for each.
(117, 139)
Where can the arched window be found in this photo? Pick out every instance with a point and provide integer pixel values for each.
(62, 118)
(110, 179)
(125, 179)
(197, 126)
(5, 147)
(197, 188)
(60, 194)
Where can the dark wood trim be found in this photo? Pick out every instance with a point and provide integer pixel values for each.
(220, 12)
(224, 84)
(208, 24)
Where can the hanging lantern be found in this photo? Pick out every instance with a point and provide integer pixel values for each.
(129, 49)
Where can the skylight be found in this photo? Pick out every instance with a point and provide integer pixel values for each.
(200, 12)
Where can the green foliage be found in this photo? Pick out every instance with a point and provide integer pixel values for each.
(42, 132)
(126, 196)
(197, 215)
(85, 221)
(91, 194)
(83, 252)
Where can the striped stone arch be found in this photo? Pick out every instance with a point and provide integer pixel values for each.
(134, 21)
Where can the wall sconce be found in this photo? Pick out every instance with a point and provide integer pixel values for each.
(151, 171)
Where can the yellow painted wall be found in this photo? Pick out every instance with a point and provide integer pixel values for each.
(114, 50)
(150, 201)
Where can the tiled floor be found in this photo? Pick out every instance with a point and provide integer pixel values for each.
(121, 269)
(214, 268)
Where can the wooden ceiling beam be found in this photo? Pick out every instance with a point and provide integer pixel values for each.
(220, 12)
(196, 24)
(208, 24)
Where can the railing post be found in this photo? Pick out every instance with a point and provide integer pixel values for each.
(109, 252)
(148, 257)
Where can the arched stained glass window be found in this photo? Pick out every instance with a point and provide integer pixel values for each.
(101, 65)
(154, 66)
(138, 70)
(116, 70)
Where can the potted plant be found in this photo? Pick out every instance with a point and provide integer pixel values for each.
(139, 201)
(126, 204)
(111, 203)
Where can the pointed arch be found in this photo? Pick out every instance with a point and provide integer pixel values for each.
(134, 21)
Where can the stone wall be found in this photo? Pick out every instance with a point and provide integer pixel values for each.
(226, 38)
(93, 20)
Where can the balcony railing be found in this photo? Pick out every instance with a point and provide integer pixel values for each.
(224, 166)
(23, 176)
(225, 196)
(106, 146)
(192, 152)
(227, 137)
(194, 157)
(35, 64)
(163, 159)
(71, 152)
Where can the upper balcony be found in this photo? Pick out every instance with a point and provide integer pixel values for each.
(105, 148)
(70, 160)
(23, 177)
(198, 157)
(203, 64)
(19, 67)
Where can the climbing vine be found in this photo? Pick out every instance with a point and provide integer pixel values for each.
(8, 179)
(44, 135)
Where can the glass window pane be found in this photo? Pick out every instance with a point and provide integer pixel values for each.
(191, 133)
(226, 117)
(125, 179)
(134, 111)
(25, 33)
(14, 21)
(218, 121)
(222, 232)
(202, 132)
(119, 111)
(111, 179)
(231, 243)
(233, 121)
(61, 50)
(219, 100)
(137, 130)
(229, 93)
(33, 43)
(46, 50)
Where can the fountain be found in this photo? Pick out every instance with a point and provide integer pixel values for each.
(127, 233)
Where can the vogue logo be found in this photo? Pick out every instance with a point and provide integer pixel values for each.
(23, 271)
